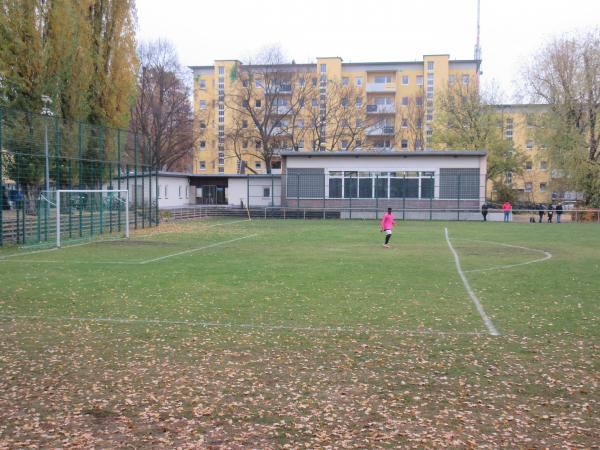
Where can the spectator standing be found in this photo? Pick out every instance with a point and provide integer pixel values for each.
(559, 211)
(507, 208)
(550, 212)
(541, 210)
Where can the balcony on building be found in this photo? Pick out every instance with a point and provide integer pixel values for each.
(381, 109)
(380, 131)
(381, 87)
(284, 88)
(280, 109)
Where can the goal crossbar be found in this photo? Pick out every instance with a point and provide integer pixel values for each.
(90, 191)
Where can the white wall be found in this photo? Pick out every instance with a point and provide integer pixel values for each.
(386, 163)
(238, 191)
(178, 192)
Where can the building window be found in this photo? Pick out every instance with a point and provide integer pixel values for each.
(529, 144)
(465, 79)
(187, 191)
(542, 165)
(358, 123)
(245, 83)
(202, 124)
(300, 123)
(528, 165)
(509, 177)
(257, 165)
(266, 192)
(404, 101)
(202, 145)
(345, 81)
(528, 187)
(202, 105)
(430, 65)
(323, 68)
(314, 103)
(202, 165)
(313, 81)
(159, 191)
(419, 101)
(301, 82)
(258, 103)
(542, 187)
(358, 102)
(344, 144)
(244, 124)
(451, 80)
(404, 143)
(419, 80)
(245, 144)
(405, 80)
(257, 83)
(257, 144)
(221, 70)
(345, 102)
(404, 123)
(381, 79)
(221, 170)
(202, 84)
(180, 191)
(301, 144)
(358, 81)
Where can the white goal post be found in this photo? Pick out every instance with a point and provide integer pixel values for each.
(121, 195)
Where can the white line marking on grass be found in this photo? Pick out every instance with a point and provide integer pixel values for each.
(192, 250)
(249, 326)
(488, 323)
(547, 256)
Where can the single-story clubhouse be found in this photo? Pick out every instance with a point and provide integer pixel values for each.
(428, 179)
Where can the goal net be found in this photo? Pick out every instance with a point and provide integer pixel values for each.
(80, 214)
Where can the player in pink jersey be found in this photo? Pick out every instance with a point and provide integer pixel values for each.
(387, 223)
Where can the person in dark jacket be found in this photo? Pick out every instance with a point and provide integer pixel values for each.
(541, 210)
(559, 211)
(550, 212)
(484, 211)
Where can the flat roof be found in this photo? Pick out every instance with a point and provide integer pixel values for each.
(388, 153)
(215, 175)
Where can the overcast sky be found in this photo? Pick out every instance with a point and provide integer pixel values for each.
(360, 31)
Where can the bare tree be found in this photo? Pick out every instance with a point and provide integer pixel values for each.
(336, 118)
(266, 92)
(565, 74)
(163, 112)
(415, 131)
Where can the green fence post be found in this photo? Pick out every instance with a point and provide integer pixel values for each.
(458, 200)
(149, 196)
(1, 183)
(350, 197)
(57, 153)
(135, 175)
(69, 199)
(376, 198)
(324, 201)
(119, 170)
(272, 190)
(127, 184)
(143, 206)
(80, 196)
(297, 191)
(157, 193)
(404, 196)
(432, 179)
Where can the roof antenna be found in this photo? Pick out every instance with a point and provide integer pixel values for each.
(477, 46)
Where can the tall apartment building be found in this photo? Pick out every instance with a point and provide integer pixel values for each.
(393, 107)
(535, 182)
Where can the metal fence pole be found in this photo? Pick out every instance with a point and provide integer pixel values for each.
(432, 179)
(272, 192)
(350, 197)
(143, 206)
(376, 198)
(135, 148)
(298, 191)
(119, 178)
(248, 192)
(80, 179)
(157, 187)
(1, 182)
(324, 202)
(404, 196)
(458, 199)
(150, 196)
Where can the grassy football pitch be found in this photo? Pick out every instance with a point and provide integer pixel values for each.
(228, 333)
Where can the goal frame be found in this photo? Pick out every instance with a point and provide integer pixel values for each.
(83, 191)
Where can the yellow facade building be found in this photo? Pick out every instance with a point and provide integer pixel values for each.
(534, 183)
(394, 107)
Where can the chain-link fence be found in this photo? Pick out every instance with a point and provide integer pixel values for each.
(40, 154)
